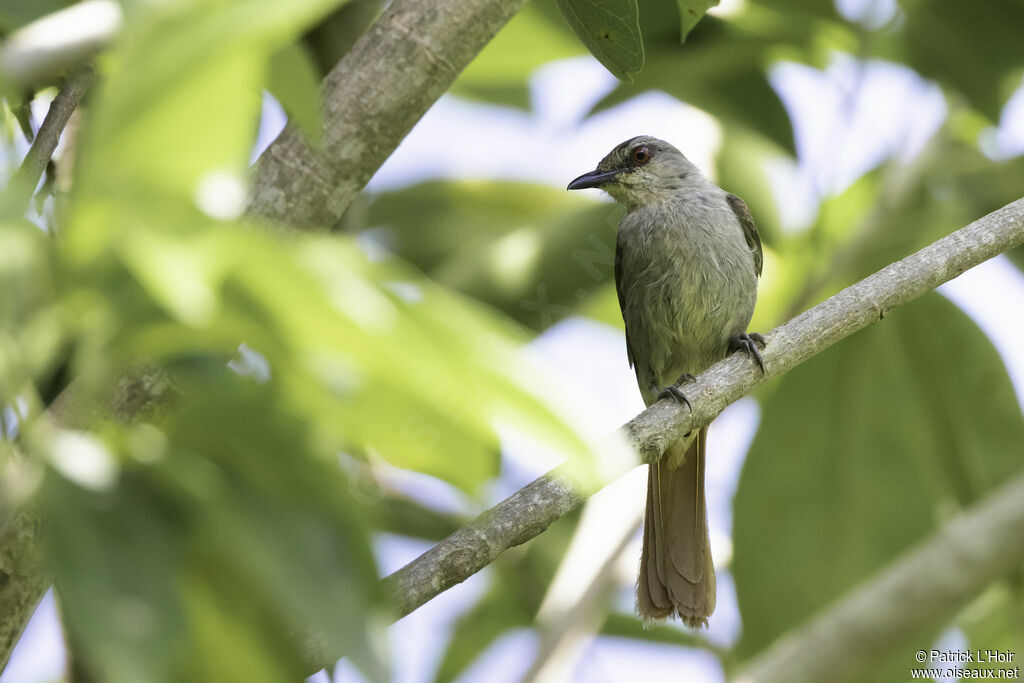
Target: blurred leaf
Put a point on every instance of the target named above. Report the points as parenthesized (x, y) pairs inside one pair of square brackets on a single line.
[(189, 69), (721, 70), (234, 489), (994, 621), (975, 48), (745, 168), (294, 80), (533, 252), (17, 13), (690, 12), (1016, 256), (33, 333), (622, 625), (610, 30), (882, 433), (406, 517), (498, 612), (117, 556), (519, 583), (332, 38)]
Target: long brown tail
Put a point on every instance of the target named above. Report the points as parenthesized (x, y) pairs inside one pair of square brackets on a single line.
[(677, 575)]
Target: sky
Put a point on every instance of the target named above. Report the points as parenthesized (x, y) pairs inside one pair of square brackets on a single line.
[(893, 113)]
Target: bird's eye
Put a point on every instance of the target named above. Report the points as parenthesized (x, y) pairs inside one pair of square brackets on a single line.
[(640, 155)]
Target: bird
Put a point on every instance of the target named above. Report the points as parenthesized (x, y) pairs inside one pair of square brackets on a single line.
[(687, 262)]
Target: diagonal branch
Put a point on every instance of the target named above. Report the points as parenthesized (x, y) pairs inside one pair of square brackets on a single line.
[(25, 180), (533, 508), (372, 99), (928, 584)]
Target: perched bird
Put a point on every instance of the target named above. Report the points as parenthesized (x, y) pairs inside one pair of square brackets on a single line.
[(687, 260)]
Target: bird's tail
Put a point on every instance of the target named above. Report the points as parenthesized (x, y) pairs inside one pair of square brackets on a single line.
[(676, 572)]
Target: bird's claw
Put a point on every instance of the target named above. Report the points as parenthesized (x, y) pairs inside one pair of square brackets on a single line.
[(749, 343), (675, 392)]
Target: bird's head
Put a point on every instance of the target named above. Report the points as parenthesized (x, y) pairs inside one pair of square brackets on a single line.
[(639, 171)]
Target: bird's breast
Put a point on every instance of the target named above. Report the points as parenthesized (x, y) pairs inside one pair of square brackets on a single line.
[(687, 284)]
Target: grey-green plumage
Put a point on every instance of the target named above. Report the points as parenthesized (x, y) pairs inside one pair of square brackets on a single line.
[(686, 266)]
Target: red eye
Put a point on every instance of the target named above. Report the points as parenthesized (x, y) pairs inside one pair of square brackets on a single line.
[(640, 155)]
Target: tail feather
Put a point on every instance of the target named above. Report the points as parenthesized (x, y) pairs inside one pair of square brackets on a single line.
[(677, 576)]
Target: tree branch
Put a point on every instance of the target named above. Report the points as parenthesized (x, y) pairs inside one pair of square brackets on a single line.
[(533, 508), (25, 180), (372, 99), (926, 585)]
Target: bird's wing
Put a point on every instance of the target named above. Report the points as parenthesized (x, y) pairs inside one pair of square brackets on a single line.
[(620, 290), (739, 207)]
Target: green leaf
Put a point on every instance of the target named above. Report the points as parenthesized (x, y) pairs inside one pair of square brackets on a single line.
[(721, 70), (116, 556), (860, 451), (520, 581), (185, 69), (294, 80), (994, 621), (17, 13), (533, 252), (611, 31), (974, 48), (690, 12)]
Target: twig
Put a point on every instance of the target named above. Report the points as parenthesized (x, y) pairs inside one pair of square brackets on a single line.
[(533, 508), (928, 584), (25, 180)]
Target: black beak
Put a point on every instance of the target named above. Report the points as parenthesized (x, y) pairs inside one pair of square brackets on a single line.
[(594, 179)]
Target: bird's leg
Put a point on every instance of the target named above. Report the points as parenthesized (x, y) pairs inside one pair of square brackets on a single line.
[(749, 343), (675, 392)]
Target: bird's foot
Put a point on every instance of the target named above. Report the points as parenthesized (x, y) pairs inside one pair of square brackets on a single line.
[(749, 343), (675, 391)]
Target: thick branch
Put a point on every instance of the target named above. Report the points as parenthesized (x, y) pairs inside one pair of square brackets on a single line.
[(929, 584), (533, 508), (372, 99)]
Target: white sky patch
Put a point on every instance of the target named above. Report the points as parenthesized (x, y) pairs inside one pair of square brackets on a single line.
[(409, 292), (40, 654), (272, 121), (992, 294), (855, 114), (1006, 141), (623, 659), (250, 363), (550, 145)]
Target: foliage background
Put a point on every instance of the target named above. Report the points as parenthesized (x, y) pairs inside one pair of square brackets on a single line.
[(212, 531)]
